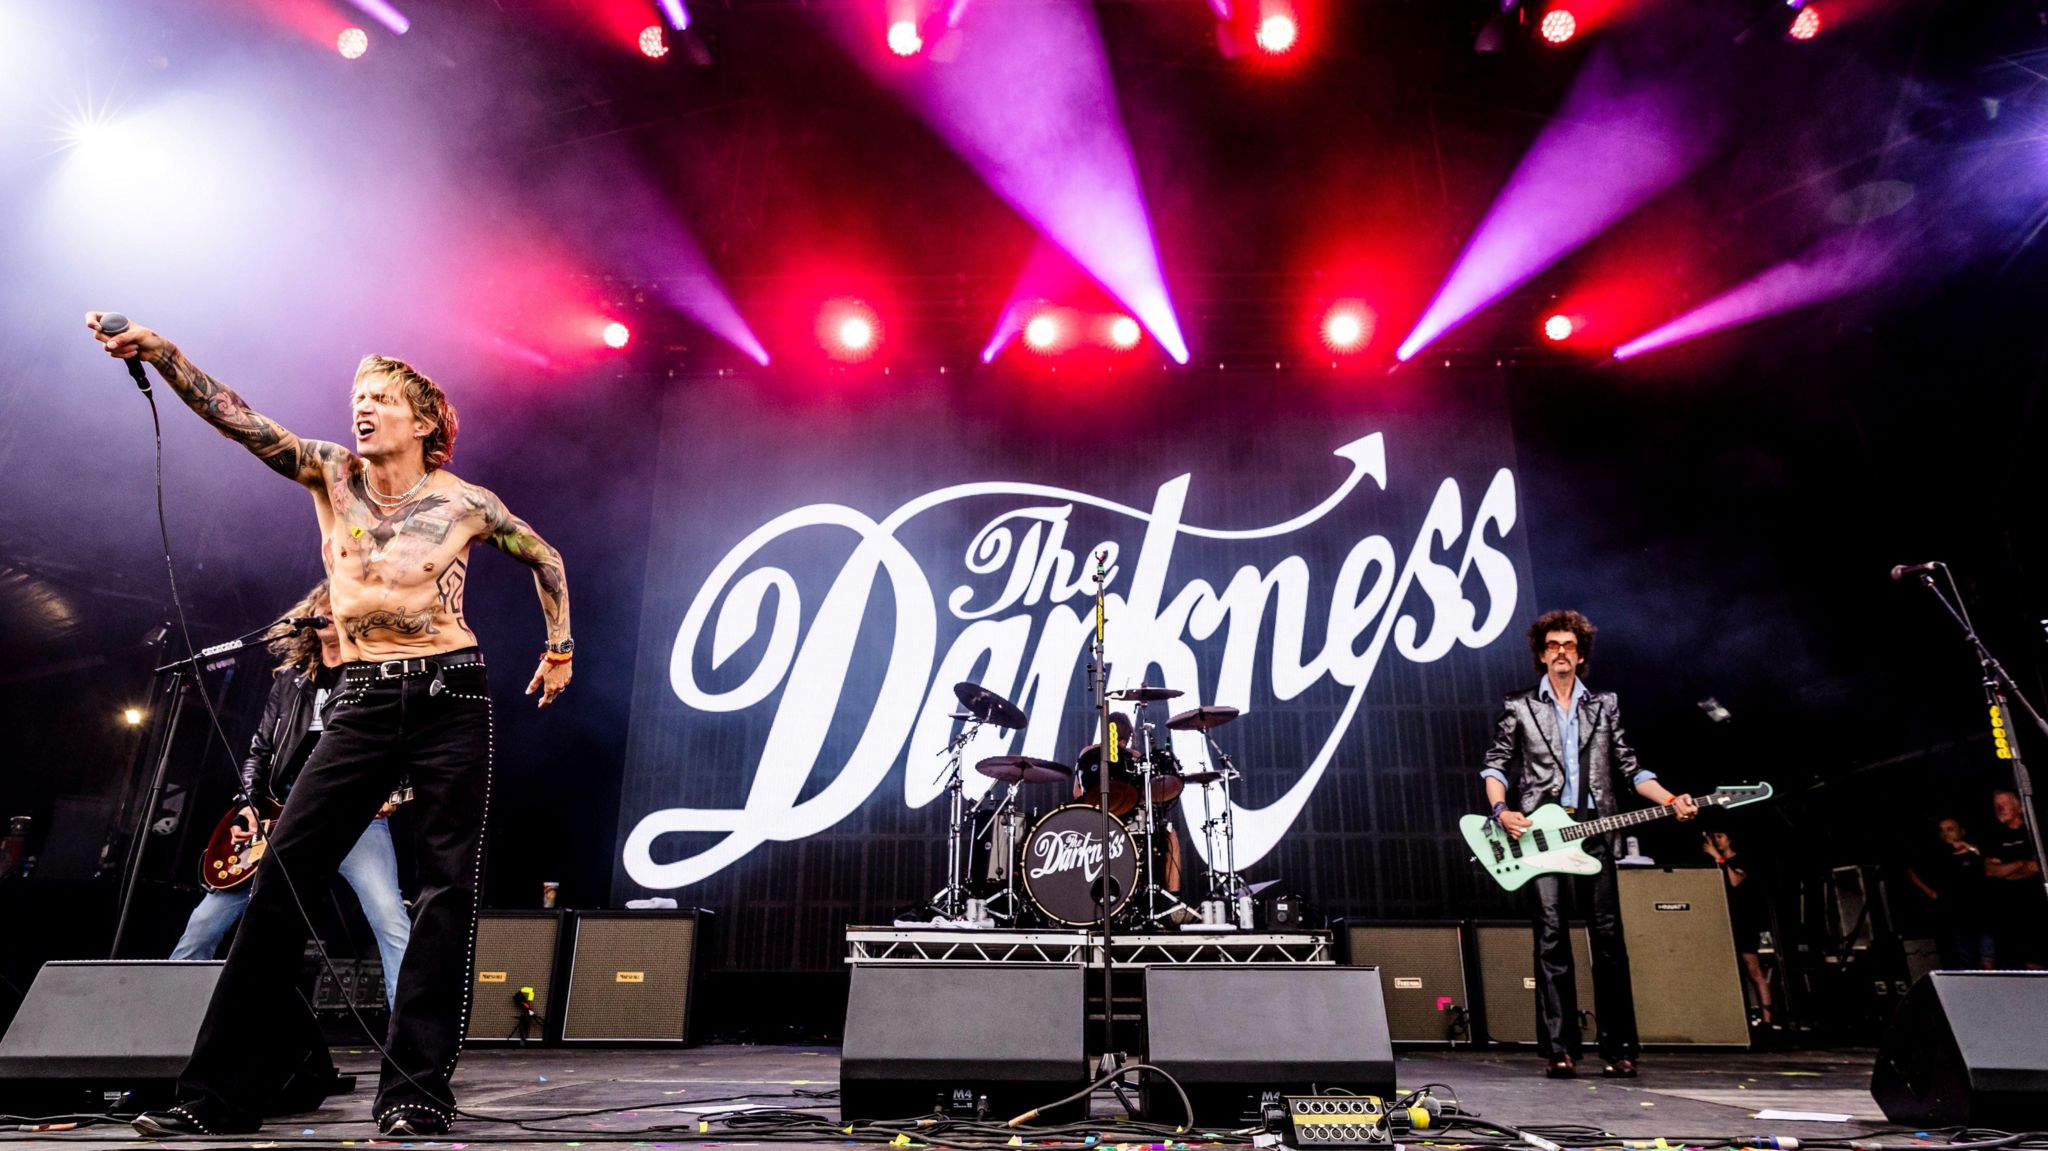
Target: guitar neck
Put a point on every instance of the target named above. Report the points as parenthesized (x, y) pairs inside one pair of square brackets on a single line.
[(1607, 823)]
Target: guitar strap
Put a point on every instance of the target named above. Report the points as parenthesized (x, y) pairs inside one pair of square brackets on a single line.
[(1584, 788)]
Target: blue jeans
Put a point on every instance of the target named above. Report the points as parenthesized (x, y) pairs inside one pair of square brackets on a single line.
[(371, 869)]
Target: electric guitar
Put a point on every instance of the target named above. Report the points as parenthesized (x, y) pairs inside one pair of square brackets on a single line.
[(1552, 842), (224, 867)]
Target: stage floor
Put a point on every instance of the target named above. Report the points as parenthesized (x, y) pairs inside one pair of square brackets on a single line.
[(1691, 1096)]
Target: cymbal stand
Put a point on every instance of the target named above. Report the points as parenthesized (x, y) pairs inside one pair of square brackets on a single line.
[(952, 902), (1228, 823), (1151, 891), (1006, 810)]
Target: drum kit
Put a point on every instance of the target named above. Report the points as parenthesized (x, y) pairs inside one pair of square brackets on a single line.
[(1064, 866)]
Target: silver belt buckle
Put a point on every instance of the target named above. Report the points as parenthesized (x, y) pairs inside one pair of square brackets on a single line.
[(386, 670)]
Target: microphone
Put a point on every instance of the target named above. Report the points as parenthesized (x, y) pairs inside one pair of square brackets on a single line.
[(302, 622), (113, 324), (1904, 570)]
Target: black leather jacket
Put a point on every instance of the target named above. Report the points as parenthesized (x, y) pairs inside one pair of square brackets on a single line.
[(287, 714), (1526, 750)]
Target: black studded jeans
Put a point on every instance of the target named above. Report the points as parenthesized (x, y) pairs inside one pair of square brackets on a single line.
[(260, 1045)]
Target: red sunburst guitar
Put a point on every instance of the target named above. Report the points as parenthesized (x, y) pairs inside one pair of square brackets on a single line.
[(224, 866)]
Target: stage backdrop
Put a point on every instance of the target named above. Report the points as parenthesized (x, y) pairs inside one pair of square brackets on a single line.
[(1346, 564)]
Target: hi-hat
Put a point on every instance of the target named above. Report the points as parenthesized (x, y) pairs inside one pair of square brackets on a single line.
[(1202, 718), (1204, 778), (1021, 769), (989, 707), (1147, 694)]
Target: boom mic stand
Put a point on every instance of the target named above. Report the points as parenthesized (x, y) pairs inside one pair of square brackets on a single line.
[(1105, 894), (1999, 692), (183, 674)]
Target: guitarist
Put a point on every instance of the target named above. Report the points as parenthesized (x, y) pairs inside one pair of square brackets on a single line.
[(308, 670), (1561, 743)]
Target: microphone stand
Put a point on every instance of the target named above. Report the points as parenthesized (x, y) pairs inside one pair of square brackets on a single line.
[(1098, 675), (183, 673), (1999, 692)]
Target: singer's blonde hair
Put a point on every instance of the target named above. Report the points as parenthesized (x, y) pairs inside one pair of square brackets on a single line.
[(298, 649)]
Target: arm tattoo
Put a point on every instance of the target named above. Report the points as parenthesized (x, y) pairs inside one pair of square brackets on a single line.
[(513, 536), (222, 407)]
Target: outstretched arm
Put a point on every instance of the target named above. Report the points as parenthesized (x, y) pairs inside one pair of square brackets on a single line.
[(219, 405), (516, 538)]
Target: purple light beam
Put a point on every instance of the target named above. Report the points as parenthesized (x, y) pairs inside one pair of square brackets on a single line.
[(1843, 264), (678, 15), (1029, 105), (383, 13), (1619, 140)]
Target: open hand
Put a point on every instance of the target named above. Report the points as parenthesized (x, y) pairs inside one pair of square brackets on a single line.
[(549, 679), (137, 341)]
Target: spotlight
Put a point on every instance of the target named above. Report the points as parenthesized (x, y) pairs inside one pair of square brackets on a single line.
[(903, 38), (1806, 25), (1277, 33), (132, 717), (1124, 332), (352, 43), (1043, 333), (616, 335), (848, 330), (1559, 327), (653, 44), (856, 334), (1559, 25), (1348, 326)]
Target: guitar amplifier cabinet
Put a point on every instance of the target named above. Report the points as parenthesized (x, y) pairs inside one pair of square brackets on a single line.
[(514, 949), (1422, 975), (1681, 957), (632, 976), (1507, 980)]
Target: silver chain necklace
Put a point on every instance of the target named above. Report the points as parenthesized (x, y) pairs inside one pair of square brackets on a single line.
[(390, 502)]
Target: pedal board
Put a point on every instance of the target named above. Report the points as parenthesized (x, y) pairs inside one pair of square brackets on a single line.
[(1336, 1121)]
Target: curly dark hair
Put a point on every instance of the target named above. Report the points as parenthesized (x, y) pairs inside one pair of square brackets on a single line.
[(298, 649), (1570, 621)]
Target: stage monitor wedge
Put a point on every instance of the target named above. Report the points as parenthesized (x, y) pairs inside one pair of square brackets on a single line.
[(1967, 1049), (88, 1027), (1239, 1036), (633, 976), (1000, 1037)]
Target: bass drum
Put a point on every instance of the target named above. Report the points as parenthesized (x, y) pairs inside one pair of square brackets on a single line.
[(1065, 859)]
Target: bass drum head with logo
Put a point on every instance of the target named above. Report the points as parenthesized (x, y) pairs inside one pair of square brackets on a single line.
[(1064, 856)]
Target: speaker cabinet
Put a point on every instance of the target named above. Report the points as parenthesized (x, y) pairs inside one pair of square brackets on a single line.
[(1967, 1049), (958, 1038), (1422, 974), (104, 1026), (632, 975), (1681, 957), (514, 949), (1507, 980), (1234, 1036)]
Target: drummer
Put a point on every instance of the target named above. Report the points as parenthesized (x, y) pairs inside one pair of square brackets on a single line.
[(1124, 797)]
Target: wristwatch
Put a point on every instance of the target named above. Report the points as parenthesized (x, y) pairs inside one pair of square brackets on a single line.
[(562, 647)]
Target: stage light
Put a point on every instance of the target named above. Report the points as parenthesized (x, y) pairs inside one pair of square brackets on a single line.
[(132, 717), (1806, 25), (856, 334), (653, 44), (1348, 326), (1277, 33), (1043, 333), (1124, 332), (678, 14), (352, 43), (1559, 327), (616, 335), (903, 38), (1559, 25)]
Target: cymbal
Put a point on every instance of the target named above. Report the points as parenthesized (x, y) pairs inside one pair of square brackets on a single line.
[(1021, 769), (989, 707), (1147, 694), (1202, 718), (1204, 778)]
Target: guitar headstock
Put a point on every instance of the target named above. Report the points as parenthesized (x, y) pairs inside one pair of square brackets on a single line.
[(1736, 795)]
